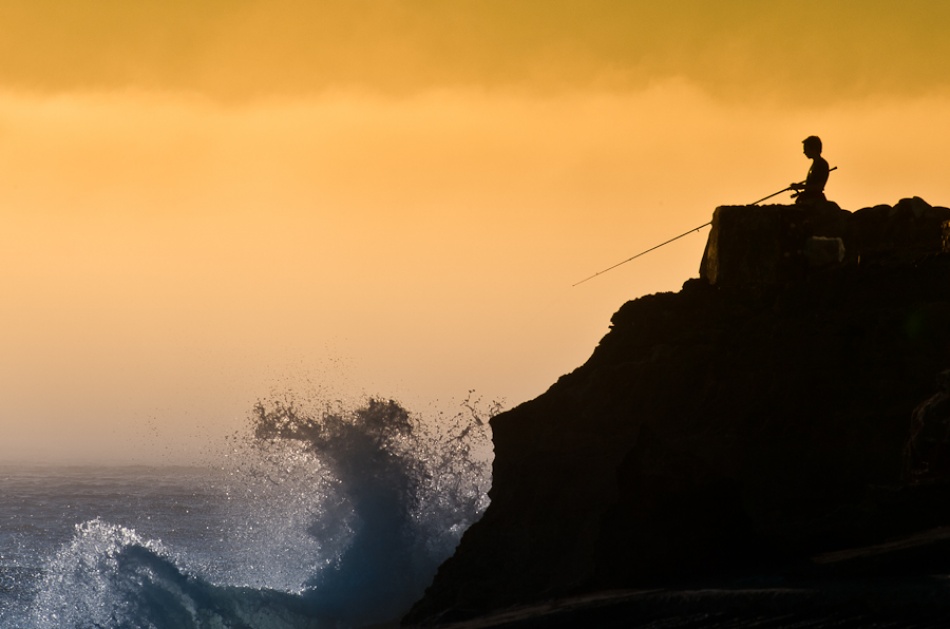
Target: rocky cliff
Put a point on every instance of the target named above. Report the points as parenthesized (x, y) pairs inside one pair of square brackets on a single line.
[(784, 404)]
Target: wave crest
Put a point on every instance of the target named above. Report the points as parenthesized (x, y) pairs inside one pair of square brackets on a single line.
[(412, 487)]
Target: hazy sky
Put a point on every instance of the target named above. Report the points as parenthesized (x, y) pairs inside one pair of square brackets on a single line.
[(206, 203)]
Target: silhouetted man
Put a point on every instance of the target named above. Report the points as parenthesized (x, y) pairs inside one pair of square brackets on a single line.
[(813, 190)]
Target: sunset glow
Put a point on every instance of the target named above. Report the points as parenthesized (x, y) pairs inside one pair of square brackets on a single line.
[(204, 206)]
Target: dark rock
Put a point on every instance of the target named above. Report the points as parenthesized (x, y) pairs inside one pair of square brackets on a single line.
[(744, 246), (909, 229), (927, 455), (776, 244), (742, 425), (823, 251)]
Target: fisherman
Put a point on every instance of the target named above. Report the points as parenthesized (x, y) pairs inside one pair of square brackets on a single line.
[(813, 190), (809, 192)]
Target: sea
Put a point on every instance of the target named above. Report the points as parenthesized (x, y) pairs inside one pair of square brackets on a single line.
[(319, 516), (327, 518)]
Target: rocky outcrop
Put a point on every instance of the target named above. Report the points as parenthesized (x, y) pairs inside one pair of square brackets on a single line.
[(760, 416), (778, 244)]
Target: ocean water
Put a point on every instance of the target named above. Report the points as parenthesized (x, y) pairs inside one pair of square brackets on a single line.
[(333, 518)]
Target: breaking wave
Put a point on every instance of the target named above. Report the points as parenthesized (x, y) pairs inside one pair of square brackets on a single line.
[(335, 517)]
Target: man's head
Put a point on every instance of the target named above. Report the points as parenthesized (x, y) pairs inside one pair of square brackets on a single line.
[(812, 146)]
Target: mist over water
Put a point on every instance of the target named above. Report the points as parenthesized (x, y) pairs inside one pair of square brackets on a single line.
[(320, 516)]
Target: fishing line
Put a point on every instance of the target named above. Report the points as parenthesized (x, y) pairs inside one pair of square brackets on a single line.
[(695, 229)]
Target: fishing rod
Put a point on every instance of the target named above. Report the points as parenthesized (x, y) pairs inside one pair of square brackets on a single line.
[(695, 229)]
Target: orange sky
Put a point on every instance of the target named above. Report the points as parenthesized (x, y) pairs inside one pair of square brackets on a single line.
[(205, 206)]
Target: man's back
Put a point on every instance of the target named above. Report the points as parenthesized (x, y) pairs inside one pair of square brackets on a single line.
[(817, 175)]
